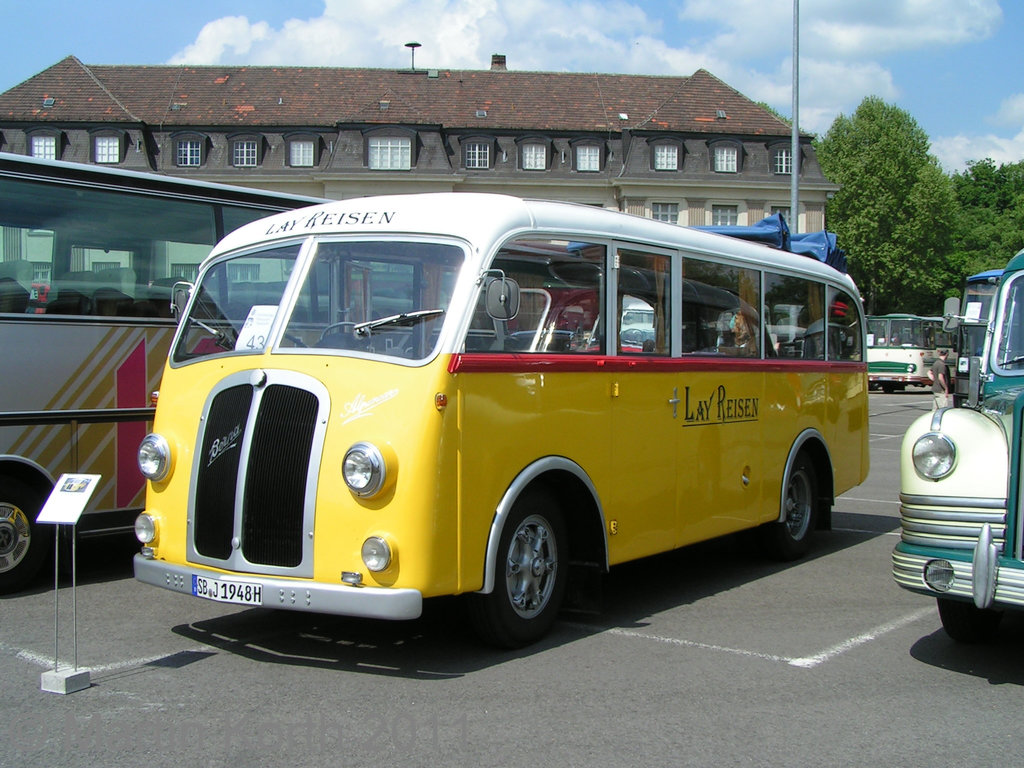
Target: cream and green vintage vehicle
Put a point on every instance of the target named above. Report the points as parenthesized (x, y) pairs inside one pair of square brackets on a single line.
[(961, 484)]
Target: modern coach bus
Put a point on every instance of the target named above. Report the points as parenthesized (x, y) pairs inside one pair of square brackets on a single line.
[(88, 258), (382, 400), (902, 348), (962, 482)]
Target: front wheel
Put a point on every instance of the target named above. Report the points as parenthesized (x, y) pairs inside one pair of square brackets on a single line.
[(967, 623), (530, 579), (791, 538), (23, 543)]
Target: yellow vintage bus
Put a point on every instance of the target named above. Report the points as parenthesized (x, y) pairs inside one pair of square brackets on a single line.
[(381, 400)]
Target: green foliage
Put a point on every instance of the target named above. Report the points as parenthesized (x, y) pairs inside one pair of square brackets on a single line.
[(990, 221), (895, 211)]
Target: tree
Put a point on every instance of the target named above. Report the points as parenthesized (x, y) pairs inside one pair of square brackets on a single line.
[(990, 225), (894, 211)]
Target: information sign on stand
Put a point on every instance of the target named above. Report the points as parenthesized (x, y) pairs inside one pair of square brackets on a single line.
[(65, 505)]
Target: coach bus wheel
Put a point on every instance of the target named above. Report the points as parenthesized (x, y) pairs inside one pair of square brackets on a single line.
[(967, 623), (23, 543), (530, 579), (791, 538)]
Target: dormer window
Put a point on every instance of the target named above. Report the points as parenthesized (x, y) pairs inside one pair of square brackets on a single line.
[(534, 154), (107, 148), (587, 158), (782, 160), (303, 151), (478, 154), (726, 157), (189, 150), (666, 155), (389, 153), (45, 146), (245, 153)]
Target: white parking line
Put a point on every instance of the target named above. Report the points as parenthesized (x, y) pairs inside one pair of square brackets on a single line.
[(803, 662)]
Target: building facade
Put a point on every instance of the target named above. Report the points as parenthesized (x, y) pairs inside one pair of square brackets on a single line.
[(689, 150)]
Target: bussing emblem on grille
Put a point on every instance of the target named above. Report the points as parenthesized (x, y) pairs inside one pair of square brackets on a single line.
[(224, 444)]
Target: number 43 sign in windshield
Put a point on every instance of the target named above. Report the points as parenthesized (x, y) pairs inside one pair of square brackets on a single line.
[(253, 336)]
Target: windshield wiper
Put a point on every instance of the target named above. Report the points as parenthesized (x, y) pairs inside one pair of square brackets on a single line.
[(220, 338), (405, 318), (1014, 361)]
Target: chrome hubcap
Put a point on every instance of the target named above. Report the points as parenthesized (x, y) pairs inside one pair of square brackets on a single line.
[(15, 536), (531, 566)]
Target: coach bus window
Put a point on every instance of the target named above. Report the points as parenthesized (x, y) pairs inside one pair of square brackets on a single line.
[(643, 303), (561, 295), (719, 309), (844, 327), (794, 306)]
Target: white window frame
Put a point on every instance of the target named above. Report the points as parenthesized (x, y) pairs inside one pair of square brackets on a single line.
[(782, 161), (535, 156), (301, 153), (245, 153), (588, 158), (106, 149), (725, 215), (665, 212), (389, 153), (43, 147), (726, 159), (188, 153), (666, 157), (477, 155)]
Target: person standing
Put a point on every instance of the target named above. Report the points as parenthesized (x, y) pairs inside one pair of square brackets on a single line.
[(939, 374)]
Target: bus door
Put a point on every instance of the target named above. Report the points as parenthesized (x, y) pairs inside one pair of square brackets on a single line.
[(719, 422), (644, 392)]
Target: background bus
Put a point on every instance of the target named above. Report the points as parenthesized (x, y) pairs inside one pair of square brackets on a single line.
[(901, 349), (975, 312), (88, 258)]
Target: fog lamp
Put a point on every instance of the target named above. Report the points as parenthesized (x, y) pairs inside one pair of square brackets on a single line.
[(376, 554), (939, 575), (145, 528)]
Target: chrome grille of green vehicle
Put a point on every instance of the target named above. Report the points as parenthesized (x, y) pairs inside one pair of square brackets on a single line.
[(949, 522)]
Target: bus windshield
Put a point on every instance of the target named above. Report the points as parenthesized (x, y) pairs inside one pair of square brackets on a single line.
[(358, 297)]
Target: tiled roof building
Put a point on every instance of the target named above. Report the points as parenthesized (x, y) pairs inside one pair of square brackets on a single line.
[(687, 149)]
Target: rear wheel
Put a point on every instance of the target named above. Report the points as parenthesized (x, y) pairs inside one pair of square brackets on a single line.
[(23, 543), (967, 623), (791, 538), (530, 579)]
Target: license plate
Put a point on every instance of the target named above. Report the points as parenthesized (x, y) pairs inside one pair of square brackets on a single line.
[(225, 591)]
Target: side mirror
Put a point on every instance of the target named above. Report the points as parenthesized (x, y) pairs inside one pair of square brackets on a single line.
[(179, 298), (951, 314), (502, 298)]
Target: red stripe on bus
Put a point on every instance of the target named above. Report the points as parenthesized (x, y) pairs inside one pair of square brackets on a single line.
[(130, 384), (545, 363)]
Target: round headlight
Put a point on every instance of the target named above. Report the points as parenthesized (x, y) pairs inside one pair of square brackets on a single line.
[(376, 554), (364, 469), (934, 455), (145, 528), (154, 457), (939, 575)]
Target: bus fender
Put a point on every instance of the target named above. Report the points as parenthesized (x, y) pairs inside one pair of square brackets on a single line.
[(814, 443), (542, 467)]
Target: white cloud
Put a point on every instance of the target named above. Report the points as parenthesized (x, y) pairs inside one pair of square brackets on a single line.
[(1011, 111), (231, 33), (954, 152)]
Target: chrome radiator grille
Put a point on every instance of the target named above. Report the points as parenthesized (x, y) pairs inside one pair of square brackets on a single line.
[(253, 474)]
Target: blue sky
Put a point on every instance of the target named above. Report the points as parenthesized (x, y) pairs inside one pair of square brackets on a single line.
[(953, 65)]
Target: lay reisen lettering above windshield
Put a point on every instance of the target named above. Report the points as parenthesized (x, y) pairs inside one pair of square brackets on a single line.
[(323, 219), (718, 408)]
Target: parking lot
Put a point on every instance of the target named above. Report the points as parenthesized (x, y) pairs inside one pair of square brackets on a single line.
[(711, 655)]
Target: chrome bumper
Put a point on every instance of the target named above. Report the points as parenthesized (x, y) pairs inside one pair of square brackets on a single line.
[(291, 594)]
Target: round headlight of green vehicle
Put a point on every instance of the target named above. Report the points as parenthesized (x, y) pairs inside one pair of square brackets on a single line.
[(364, 469), (154, 457), (934, 456)]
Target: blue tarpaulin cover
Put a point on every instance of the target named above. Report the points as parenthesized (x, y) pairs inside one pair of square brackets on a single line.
[(774, 232)]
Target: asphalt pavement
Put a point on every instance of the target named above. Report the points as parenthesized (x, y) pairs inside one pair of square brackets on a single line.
[(710, 655)]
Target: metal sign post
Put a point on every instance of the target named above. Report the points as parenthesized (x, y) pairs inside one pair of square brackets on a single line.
[(64, 507)]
